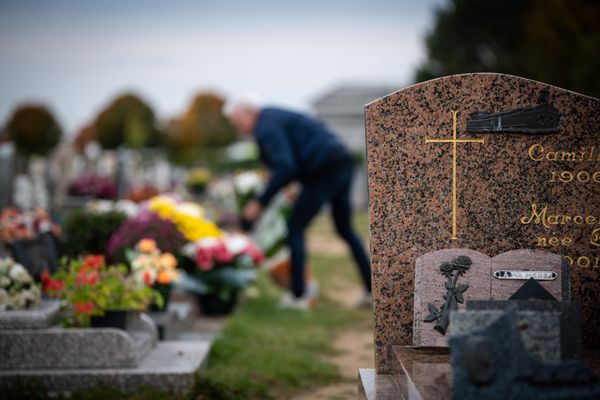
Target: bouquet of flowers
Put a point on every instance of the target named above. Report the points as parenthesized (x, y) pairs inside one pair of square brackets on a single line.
[(19, 225), (148, 225), (189, 217), (92, 185), (223, 265), (88, 287), (149, 265), (17, 288), (247, 185)]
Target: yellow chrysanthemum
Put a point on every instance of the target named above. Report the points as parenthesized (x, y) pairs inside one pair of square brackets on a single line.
[(188, 217), (163, 206)]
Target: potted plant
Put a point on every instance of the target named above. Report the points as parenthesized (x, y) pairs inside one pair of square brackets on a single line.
[(145, 224), (17, 287), (94, 186), (88, 231), (32, 238), (198, 179), (152, 267), (223, 266), (95, 293)]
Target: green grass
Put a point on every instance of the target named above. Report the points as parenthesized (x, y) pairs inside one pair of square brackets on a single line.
[(267, 353)]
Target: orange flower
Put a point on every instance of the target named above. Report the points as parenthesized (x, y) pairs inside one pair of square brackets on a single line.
[(168, 260), (84, 307), (166, 276), (147, 246)]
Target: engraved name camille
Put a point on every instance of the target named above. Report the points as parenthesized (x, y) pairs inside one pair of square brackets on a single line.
[(551, 219)]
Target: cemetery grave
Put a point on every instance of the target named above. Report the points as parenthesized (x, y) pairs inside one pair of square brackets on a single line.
[(483, 195)]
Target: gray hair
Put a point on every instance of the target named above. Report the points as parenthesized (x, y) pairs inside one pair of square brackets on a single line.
[(241, 101)]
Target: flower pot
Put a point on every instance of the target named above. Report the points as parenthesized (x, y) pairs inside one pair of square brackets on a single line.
[(213, 305), (165, 291), (110, 319)]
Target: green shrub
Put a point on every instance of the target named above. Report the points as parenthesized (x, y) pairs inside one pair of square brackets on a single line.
[(89, 232)]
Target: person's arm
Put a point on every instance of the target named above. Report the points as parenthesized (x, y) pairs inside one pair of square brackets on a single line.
[(281, 161)]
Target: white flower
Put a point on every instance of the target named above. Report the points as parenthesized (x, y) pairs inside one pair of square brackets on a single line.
[(17, 301), (236, 243), (127, 207), (247, 182), (18, 273), (5, 264), (5, 282), (4, 298), (30, 296), (189, 250), (191, 209)]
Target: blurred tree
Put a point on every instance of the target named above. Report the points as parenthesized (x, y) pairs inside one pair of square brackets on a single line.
[(85, 136), (201, 131), (34, 130), (554, 41), (127, 120)]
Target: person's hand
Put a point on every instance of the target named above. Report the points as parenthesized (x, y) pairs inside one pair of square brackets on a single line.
[(252, 210)]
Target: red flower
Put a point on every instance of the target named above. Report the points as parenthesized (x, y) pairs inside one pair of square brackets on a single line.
[(148, 278), (54, 285), (45, 276), (51, 284), (221, 254), (85, 278), (254, 252), (204, 259), (93, 261), (84, 307)]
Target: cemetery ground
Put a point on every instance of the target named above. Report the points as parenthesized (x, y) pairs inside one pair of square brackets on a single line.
[(267, 353), (270, 353)]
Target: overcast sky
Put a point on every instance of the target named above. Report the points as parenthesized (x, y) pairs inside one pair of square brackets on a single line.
[(75, 55)]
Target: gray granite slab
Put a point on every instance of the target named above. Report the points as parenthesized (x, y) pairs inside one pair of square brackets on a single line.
[(569, 316), (492, 363), (40, 316), (72, 348), (540, 331), (170, 366)]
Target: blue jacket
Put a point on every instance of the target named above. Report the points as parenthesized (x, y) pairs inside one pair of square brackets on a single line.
[(294, 147)]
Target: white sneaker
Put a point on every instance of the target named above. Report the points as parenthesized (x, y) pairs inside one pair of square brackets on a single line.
[(304, 303), (364, 301)]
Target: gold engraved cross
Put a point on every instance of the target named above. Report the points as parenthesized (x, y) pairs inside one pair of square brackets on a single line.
[(454, 142)]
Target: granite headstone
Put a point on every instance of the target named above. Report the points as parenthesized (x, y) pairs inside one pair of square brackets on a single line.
[(488, 162)]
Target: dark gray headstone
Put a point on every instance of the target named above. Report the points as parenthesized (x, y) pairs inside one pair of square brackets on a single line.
[(492, 363)]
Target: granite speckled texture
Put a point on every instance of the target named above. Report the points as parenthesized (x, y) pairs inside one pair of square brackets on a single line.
[(72, 348), (172, 365), (541, 335), (426, 371), (410, 189), (40, 316)]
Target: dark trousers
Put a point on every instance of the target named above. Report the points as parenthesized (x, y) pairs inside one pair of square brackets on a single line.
[(332, 186)]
